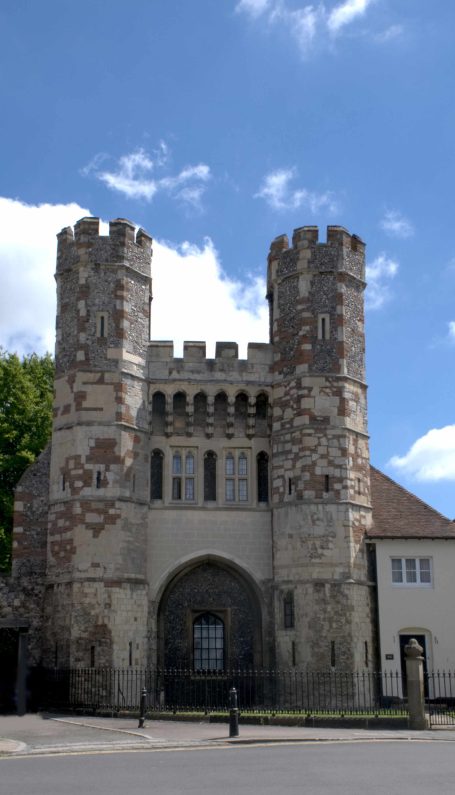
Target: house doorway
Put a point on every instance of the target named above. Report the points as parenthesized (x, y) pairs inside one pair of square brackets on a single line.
[(421, 640)]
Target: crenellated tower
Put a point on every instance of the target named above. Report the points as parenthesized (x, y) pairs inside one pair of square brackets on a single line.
[(187, 492), (98, 481), (320, 456)]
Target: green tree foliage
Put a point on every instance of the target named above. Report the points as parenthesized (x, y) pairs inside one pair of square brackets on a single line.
[(25, 427)]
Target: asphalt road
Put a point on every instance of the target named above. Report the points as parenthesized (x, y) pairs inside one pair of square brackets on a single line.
[(372, 768)]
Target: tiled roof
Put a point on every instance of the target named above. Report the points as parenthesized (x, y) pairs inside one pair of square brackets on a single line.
[(399, 514)]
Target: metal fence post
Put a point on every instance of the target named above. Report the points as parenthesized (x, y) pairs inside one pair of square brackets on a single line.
[(416, 693), (233, 713), (21, 680), (143, 708)]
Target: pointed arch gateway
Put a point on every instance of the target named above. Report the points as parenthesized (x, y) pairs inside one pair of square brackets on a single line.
[(209, 618)]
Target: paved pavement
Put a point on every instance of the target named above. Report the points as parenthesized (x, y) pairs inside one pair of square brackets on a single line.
[(53, 734)]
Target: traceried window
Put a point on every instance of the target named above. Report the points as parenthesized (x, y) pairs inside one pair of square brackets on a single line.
[(183, 475), (177, 476), (412, 572), (156, 475), (236, 477), (230, 464), (189, 476), (230, 490), (229, 470), (243, 477), (208, 643), (210, 476)]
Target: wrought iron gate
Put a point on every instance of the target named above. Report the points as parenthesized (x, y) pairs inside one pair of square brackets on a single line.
[(441, 698)]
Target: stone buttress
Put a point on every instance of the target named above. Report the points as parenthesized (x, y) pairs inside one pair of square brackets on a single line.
[(320, 457), (96, 602)]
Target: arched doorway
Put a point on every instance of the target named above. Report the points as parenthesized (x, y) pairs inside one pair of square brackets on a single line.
[(210, 618)]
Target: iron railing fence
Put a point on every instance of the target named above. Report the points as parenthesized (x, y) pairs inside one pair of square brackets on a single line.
[(440, 697), (174, 690)]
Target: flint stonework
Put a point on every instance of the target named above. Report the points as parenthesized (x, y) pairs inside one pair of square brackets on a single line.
[(112, 572)]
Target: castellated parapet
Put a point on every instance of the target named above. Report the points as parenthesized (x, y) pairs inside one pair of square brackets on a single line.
[(103, 296), (193, 486)]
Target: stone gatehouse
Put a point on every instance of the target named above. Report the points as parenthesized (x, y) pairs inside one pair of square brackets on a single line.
[(200, 512)]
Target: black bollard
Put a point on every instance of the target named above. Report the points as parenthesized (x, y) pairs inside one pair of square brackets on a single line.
[(233, 713), (143, 708)]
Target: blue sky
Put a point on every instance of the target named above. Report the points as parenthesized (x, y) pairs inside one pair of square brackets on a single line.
[(219, 124)]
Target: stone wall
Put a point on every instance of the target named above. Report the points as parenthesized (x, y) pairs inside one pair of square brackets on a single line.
[(94, 621), (22, 592)]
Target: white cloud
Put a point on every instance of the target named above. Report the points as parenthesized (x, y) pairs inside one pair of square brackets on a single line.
[(452, 330), (308, 22), (431, 458), (302, 23), (94, 164), (390, 34), (279, 195), (378, 275), (345, 13), (179, 185), (27, 265), (253, 7), (395, 224), (130, 176), (135, 176), (207, 304)]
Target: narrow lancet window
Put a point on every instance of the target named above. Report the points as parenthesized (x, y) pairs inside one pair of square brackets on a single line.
[(210, 476), (288, 610), (156, 475), (263, 477)]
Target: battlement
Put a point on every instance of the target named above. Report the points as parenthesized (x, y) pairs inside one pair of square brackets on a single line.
[(86, 243), (341, 252), (195, 362), (306, 236)]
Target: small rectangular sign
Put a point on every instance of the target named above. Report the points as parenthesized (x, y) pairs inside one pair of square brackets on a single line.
[(389, 656)]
